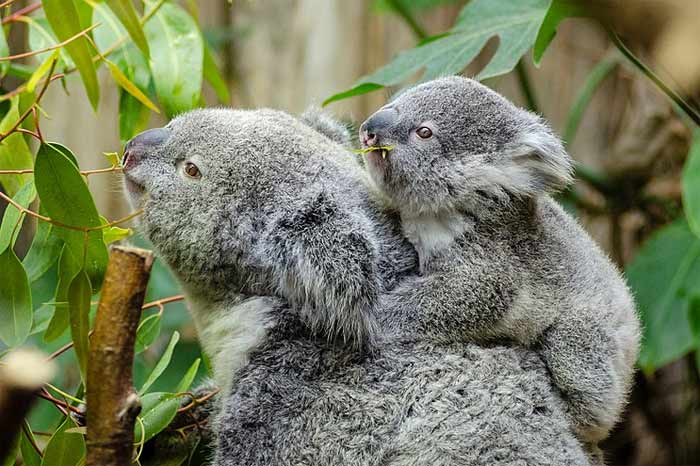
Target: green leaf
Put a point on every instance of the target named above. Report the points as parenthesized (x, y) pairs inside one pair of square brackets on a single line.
[(213, 76), (4, 52), (357, 90), (64, 449), (67, 199), (15, 300), (189, 376), (176, 58), (41, 70), (162, 363), (124, 82), (147, 332), (42, 317), (663, 275), (41, 37), (14, 152), (558, 12), (79, 293), (12, 218), (30, 457), (157, 411), (515, 23), (124, 10), (44, 251), (133, 117), (68, 268), (65, 22), (691, 184), (12, 452), (128, 58)]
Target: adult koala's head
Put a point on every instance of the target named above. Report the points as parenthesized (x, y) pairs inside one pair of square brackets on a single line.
[(454, 140), (204, 182)]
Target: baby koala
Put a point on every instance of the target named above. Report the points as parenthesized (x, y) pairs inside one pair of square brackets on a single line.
[(470, 175)]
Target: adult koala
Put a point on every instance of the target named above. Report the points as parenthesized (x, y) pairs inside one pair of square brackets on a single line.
[(255, 212)]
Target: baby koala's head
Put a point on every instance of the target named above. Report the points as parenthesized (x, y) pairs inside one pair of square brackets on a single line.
[(455, 143), (203, 180)]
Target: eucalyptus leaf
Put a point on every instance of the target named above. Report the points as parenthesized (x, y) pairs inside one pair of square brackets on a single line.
[(67, 199), (158, 409), (162, 363), (148, 330), (44, 251), (12, 218), (127, 56), (177, 55), (30, 457), (79, 293), (64, 449), (15, 300), (65, 20), (189, 376), (125, 11), (68, 268), (4, 51), (213, 76), (14, 151), (41, 37), (133, 116)]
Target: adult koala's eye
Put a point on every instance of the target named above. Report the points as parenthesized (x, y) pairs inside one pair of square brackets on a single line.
[(192, 171), (424, 132)]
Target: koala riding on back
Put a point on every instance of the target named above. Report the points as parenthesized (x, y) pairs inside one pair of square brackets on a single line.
[(471, 175)]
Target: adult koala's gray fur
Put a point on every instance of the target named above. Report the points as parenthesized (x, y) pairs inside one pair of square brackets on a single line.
[(470, 174), (279, 245)]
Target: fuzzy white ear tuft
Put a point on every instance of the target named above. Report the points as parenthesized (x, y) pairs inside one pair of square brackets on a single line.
[(538, 161)]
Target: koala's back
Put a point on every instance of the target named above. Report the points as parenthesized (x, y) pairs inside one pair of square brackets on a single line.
[(300, 402)]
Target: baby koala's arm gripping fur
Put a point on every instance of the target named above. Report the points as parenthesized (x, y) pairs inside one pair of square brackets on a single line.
[(462, 300)]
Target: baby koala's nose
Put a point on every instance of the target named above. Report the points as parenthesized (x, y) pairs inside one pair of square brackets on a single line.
[(140, 144), (376, 127)]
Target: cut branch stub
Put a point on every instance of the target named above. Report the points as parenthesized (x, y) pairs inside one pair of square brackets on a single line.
[(112, 402)]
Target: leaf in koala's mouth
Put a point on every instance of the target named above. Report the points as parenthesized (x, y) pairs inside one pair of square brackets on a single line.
[(381, 149)]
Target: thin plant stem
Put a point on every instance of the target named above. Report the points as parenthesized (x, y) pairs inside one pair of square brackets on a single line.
[(408, 18), (31, 108), (526, 87), (82, 33), (597, 75), (692, 113)]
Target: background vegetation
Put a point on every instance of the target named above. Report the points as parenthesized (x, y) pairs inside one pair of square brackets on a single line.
[(628, 113)]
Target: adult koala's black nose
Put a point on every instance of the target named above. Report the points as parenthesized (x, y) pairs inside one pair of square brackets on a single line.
[(377, 127), (140, 144)]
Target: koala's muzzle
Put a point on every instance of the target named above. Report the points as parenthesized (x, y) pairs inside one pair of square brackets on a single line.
[(376, 128), (141, 144)]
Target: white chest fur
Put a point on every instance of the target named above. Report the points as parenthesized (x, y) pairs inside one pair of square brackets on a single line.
[(229, 332), (431, 233)]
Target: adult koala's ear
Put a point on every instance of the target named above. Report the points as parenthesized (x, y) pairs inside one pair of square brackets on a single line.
[(325, 124), (536, 161)]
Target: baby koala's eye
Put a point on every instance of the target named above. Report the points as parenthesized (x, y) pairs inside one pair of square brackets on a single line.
[(424, 132), (192, 171)]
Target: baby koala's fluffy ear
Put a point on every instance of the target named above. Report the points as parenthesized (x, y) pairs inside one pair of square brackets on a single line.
[(537, 160), (325, 124)]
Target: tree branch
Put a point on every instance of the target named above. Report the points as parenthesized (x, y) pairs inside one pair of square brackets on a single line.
[(112, 402)]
